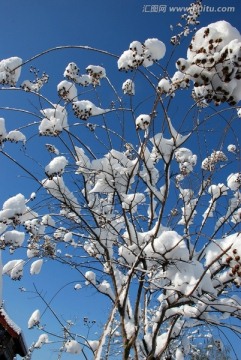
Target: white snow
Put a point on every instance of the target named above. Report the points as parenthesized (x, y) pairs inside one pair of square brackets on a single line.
[(57, 188), (83, 80), (96, 73), (143, 121), (72, 347), (213, 64), (232, 148), (82, 161), (68, 237), (130, 201), (141, 54), (54, 121), (48, 220), (16, 136), (186, 159), (169, 245), (67, 90), (83, 109), (93, 344), (43, 339), (217, 190), (164, 86), (105, 288), (56, 166), (71, 71), (90, 277), (3, 132), (128, 87), (14, 238), (189, 277), (10, 321), (179, 354), (234, 181), (52, 149), (33, 251), (113, 172), (36, 267), (32, 196), (210, 162), (136, 47), (14, 268), (77, 286), (10, 70), (154, 50), (34, 319)]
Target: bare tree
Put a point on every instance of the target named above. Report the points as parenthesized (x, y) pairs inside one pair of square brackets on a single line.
[(144, 195)]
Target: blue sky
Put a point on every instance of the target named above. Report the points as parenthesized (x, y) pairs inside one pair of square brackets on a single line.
[(30, 27)]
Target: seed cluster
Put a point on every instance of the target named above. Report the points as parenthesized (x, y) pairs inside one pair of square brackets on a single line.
[(93, 76), (141, 54), (214, 64), (143, 122), (128, 87), (210, 162), (82, 109), (234, 261)]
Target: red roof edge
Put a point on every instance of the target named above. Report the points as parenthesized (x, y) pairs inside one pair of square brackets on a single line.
[(14, 331)]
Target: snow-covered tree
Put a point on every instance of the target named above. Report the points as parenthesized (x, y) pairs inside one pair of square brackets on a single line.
[(141, 196)]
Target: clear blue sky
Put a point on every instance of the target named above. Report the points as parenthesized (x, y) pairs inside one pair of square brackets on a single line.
[(30, 26)]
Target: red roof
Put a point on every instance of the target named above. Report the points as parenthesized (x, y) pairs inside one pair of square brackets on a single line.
[(14, 331)]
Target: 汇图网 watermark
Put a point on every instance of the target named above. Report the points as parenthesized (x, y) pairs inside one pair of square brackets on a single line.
[(166, 8)]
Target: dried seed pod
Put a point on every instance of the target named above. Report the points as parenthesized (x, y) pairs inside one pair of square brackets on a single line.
[(229, 259)]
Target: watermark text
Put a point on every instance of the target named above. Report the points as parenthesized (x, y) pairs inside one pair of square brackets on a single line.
[(164, 8)]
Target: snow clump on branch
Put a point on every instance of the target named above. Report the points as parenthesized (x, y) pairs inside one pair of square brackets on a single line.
[(57, 188), (72, 347), (54, 121), (128, 87), (56, 167), (10, 70), (15, 211), (67, 90), (141, 54), (83, 109), (143, 121), (34, 319), (12, 238), (43, 339), (214, 64), (93, 76), (14, 268), (36, 267), (12, 136)]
